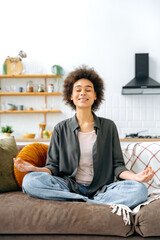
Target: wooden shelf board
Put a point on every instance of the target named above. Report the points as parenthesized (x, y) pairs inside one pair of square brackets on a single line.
[(32, 140), (122, 140), (30, 93), (140, 140), (31, 76), (33, 111)]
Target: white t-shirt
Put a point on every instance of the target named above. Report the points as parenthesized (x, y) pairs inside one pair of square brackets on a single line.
[(85, 170)]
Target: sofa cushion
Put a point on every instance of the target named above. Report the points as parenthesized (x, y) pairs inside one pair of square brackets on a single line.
[(147, 219), (34, 153), (8, 150), (138, 156), (37, 216)]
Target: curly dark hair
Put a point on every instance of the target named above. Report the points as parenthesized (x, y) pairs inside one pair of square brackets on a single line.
[(87, 73)]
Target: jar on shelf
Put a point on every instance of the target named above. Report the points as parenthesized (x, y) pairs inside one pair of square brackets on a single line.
[(42, 127), (40, 87), (30, 87), (50, 87)]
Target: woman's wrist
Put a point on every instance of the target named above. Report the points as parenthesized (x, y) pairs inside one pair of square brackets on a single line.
[(127, 175), (42, 169)]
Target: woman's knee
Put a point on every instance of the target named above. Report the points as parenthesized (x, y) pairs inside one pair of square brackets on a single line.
[(142, 189), (31, 180)]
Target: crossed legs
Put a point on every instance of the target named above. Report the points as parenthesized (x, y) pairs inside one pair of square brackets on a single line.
[(43, 185)]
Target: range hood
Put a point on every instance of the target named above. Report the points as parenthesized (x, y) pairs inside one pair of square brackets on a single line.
[(142, 83)]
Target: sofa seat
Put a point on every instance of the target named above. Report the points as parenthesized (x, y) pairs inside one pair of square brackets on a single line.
[(22, 214)]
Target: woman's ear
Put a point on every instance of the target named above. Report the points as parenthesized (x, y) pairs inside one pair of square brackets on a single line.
[(95, 96), (71, 97)]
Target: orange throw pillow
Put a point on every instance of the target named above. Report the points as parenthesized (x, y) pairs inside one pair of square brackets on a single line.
[(34, 153)]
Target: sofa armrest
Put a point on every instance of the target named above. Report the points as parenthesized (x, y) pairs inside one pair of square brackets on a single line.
[(147, 220)]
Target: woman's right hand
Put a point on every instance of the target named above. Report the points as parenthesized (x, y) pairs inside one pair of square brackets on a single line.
[(23, 166)]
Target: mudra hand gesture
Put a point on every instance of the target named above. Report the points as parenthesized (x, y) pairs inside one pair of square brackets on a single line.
[(23, 166), (146, 175)]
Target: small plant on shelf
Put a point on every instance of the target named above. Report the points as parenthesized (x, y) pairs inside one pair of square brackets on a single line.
[(6, 131)]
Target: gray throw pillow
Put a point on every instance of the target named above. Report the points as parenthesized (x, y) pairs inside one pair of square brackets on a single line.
[(8, 150)]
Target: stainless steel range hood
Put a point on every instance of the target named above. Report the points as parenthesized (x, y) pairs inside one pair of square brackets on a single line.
[(142, 83)]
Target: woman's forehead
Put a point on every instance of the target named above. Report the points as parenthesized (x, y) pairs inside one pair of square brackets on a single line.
[(83, 83)]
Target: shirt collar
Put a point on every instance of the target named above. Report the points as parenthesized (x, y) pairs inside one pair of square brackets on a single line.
[(96, 121), (75, 125)]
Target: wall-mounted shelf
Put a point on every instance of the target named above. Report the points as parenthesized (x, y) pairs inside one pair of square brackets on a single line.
[(31, 111), (45, 94), (32, 139), (31, 76), (30, 94)]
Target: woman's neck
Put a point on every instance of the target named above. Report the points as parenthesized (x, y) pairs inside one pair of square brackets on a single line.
[(85, 120)]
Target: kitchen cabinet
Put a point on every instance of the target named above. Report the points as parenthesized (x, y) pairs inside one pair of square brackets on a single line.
[(21, 95)]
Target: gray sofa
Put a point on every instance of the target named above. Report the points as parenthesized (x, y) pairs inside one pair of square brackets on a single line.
[(24, 217)]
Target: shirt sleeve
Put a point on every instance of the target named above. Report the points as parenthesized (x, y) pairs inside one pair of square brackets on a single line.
[(118, 161), (52, 162)]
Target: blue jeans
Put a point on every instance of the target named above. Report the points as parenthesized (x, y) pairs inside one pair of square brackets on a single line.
[(43, 185)]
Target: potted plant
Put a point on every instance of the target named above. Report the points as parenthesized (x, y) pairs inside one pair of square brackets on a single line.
[(6, 131)]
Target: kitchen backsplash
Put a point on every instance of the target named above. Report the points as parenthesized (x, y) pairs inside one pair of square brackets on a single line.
[(134, 113), (130, 113)]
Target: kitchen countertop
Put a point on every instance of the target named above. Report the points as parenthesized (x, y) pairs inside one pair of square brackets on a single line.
[(122, 140), (139, 139)]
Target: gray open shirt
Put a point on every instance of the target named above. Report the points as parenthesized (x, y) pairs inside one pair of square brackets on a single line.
[(64, 153)]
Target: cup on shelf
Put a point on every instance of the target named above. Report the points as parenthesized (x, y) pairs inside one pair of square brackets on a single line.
[(20, 107), (50, 87), (20, 89)]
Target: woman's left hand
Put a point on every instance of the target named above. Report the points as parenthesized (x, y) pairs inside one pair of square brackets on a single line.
[(145, 176)]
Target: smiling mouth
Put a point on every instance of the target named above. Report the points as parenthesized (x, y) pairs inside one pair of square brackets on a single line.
[(83, 99)]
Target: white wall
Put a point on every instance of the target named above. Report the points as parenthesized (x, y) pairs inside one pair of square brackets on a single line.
[(104, 34)]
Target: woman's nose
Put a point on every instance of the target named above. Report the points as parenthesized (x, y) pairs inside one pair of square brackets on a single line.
[(83, 92)]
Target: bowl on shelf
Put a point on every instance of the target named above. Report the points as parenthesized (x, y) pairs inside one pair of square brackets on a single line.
[(28, 135)]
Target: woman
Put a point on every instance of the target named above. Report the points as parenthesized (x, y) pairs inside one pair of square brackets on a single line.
[(85, 155)]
